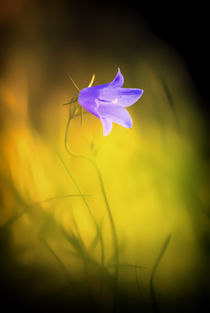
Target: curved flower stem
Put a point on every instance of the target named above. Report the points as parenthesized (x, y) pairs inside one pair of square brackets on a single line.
[(80, 192), (88, 207), (114, 234)]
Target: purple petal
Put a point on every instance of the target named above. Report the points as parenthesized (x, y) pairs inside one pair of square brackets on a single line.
[(117, 114), (128, 96), (107, 125), (118, 81), (88, 99), (108, 95), (119, 96)]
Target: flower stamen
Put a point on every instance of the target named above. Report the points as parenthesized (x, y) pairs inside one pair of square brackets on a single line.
[(92, 80)]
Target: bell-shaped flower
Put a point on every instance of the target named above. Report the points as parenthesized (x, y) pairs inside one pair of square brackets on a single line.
[(108, 102)]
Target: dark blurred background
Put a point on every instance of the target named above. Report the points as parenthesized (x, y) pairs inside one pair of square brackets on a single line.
[(186, 28)]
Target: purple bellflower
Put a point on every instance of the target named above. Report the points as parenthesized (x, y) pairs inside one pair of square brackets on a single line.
[(108, 102)]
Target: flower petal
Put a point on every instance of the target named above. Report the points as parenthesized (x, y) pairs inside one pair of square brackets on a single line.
[(107, 125), (118, 81), (128, 96), (109, 95), (119, 96), (117, 114), (88, 99)]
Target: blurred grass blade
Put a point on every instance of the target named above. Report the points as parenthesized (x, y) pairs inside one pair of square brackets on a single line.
[(96, 238), (128, 265), (75, 242), (152, 289), (50, 249), (170, 100)]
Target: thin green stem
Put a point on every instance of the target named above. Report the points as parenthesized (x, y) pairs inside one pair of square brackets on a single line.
[(114, 234), (87, 205)]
